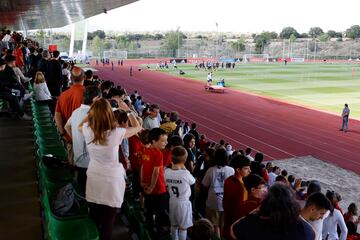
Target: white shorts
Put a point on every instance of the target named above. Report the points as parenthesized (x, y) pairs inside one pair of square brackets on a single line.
[(180, 213)]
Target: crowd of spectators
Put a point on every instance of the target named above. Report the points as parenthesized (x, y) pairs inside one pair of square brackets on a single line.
[(175, 171), (23, 62)]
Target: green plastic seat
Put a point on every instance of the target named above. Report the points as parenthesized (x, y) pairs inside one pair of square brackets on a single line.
[(43, 142), (75, 228), (55, 151), (137, 225)]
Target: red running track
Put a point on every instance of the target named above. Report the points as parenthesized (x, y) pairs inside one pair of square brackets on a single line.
[(277, 129)]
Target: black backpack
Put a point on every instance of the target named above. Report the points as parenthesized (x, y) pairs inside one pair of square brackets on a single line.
[(54, 162)]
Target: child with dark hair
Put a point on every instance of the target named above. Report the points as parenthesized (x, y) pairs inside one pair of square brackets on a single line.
[(174, 141), (257, 167), (214, 180), (277, 218), (152, 179), (178, 181), (203, 163), (352, 215), (105, 88), (189, 144), (235, 192), (202, 230), (257, 189), (137, 144), (334, 220)]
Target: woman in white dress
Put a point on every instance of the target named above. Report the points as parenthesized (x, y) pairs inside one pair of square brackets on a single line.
[(105, 186)]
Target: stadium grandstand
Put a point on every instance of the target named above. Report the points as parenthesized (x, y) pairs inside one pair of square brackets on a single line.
[(117, 148)]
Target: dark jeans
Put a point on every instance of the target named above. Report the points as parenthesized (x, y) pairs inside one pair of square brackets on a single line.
[(81, 179), (13, 101), (156, 204), (104, 218)]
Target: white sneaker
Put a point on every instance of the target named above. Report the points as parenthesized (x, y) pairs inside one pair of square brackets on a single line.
[(27, 96), (26, 117)]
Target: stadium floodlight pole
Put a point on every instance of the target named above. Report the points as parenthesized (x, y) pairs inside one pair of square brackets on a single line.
[(315, 50), (307, 50), (217, 39), (283, 52), (289, 48), (178, 32)]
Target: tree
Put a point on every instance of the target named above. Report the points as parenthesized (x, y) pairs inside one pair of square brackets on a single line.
[(334, 34), (122, 42), (293, 37), (97, 46), (315, 32), (100, 33), (63, 43), (239, 45), (40, 37), (158, 36), (261, 41), (173, 40), (304, 35), (324, 37), (353, 32), (286, 33)]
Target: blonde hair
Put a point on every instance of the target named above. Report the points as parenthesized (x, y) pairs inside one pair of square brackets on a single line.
[(39, 78), (101, 120)]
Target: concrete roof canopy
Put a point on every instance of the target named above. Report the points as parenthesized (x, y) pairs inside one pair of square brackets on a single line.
[(40, 14)]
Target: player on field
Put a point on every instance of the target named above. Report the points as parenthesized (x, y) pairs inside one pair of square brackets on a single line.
[(178, 180)]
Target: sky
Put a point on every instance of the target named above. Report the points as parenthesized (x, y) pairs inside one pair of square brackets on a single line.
[(244, 16)]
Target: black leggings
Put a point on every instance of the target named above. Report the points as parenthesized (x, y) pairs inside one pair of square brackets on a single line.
[(104, 218)]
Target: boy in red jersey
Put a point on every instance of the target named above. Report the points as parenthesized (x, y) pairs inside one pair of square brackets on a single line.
[(152, 179), (235, 192), (137, 144)]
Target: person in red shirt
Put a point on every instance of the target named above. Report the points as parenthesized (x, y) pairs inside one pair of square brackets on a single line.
[(67, 102), (137, 144), (19, 56), (235, 192), (173, 142), (153, 181), (203, 143), (257, 189)]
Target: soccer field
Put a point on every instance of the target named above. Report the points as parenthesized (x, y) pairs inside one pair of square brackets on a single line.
[(325, 86)]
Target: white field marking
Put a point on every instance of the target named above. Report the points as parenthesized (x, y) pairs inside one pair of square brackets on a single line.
[(216, 123), (274, 133)]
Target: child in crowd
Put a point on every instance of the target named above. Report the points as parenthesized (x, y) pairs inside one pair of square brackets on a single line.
[(178, 181), (152, 179), (214, 180), (137, 144), (42, 93), (202, 230)]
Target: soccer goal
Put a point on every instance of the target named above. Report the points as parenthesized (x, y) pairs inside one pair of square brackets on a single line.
[(256, 58), (297, 59), (115, 54)]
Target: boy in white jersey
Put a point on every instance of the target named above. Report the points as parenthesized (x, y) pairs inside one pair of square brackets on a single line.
[(178, 181)]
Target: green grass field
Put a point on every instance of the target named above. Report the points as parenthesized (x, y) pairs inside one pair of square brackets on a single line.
[(325, 86)]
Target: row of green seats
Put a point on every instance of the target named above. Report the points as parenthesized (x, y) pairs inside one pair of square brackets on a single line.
[(47, 141)]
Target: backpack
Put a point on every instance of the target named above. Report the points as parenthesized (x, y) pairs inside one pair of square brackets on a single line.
[(66, 201), (54, 162)]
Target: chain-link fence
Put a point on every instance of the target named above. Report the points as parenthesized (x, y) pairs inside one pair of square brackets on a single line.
[(309, 49)]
